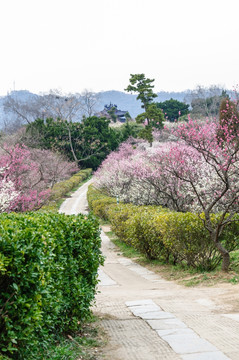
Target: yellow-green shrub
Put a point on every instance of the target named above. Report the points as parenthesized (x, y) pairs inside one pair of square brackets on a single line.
[(118, 216), (162, 234), (188, 241), (146, 230), (99, 202)]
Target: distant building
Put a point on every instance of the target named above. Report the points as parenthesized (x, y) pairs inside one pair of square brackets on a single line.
[(111, 112)]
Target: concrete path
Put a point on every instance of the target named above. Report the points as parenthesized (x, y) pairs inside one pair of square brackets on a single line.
[(77, 203), (149, 318)]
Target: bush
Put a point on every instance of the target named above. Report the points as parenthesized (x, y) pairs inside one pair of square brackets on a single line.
[(146, 230), (162, 234), (48, 277), (118, 217), (189, 242), (99, 202)]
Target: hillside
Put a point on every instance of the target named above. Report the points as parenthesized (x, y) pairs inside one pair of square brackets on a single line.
[(124, 101)]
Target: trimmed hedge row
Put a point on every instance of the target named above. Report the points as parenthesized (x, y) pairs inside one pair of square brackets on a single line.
[(48, 277), (162, 234)]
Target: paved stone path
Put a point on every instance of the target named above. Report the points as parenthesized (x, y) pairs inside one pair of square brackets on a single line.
[(149, 318)]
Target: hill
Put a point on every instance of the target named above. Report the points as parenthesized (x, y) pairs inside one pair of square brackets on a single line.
[(124, 101)]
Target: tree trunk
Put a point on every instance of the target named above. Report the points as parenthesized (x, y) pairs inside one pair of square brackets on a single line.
[(225, 262), (225, 256)]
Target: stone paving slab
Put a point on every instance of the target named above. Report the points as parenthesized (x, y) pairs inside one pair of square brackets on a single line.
[(185, 344), (156, 315), (104, 279), (233, 317), (152, 277), (139, 302), (215, 355), (185, 331), (137, 341), (140, 310), (165, 324), (183, 340), (140, 270)]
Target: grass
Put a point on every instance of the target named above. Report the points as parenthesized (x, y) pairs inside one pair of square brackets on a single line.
[(84, 345), (178, 273), (125, 250)]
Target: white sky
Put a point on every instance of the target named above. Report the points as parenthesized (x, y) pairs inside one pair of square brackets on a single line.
[(74, 45)]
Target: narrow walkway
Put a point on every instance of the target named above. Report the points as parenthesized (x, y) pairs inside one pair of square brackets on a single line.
[(77, 203), (149, 318)]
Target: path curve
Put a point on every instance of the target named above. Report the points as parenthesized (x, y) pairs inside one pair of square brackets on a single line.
[(149, 318)]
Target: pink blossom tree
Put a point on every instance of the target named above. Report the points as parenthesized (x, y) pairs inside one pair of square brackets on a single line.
[(214, 184), (8, 194), (27, 175), (198, 173)]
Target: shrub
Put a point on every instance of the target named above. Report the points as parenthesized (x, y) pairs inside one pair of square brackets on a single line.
[(99, 202), (189, 242), (118, 216), (162, 234), (48, 276), (146, 230)]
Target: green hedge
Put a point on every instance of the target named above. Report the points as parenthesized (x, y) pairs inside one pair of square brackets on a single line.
[(162, 234), (60, 189), (48, 277)]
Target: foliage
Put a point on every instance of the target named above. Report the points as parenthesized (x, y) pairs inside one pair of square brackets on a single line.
[(129, 129), (100, 202), (152, 117), (173, 109), (205, 101), (145, 230), (228, 119), (87, 143), (118, 216), (143, 86), (27, 174), (111, 112), (166, 235), (198, 173), (48, 276), (80, 345)]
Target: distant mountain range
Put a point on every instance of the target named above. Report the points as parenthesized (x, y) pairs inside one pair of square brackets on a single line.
[(124, 101)]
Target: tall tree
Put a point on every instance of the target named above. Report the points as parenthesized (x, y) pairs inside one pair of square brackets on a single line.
[(152, 116), (143, 86)]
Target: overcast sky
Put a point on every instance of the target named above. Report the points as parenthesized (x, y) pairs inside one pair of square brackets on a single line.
[(74, 45)]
